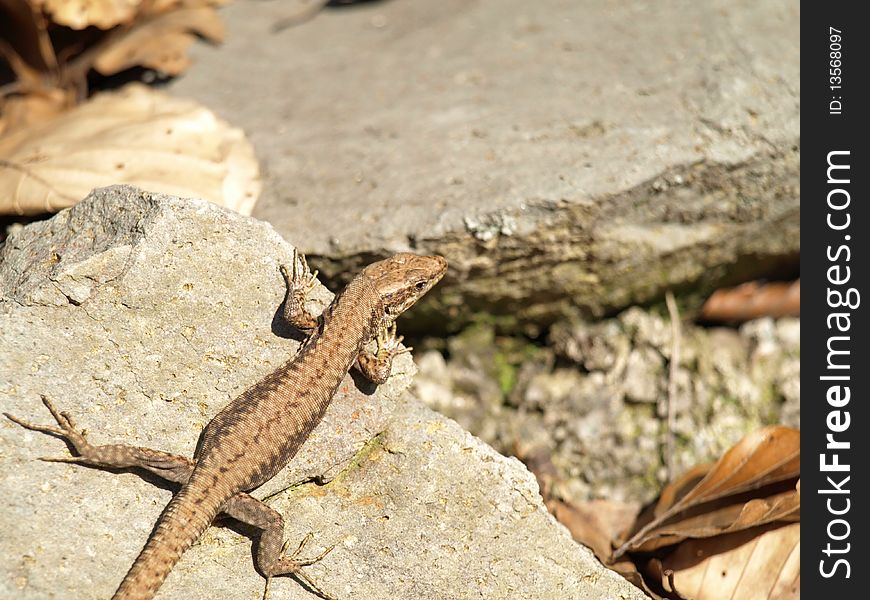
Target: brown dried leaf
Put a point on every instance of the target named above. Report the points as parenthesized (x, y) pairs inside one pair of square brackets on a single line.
[(723, 519), (22, 110), (108, 36), (136, 136), (79, 14), (160, 42), (723, 499), (753, 300), (767, 455), (596, 523), (747, 565)]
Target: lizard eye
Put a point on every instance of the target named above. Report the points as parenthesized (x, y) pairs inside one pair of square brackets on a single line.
[(420, 285)]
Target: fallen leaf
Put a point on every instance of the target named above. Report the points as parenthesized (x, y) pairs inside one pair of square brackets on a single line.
[(160, 42), (53, 47), (723, 531), (727, 496), (37, 107), (595, 523), (766, 455), (78, 14), (720, 520), (136, 136), (753, 300), (760, 563)]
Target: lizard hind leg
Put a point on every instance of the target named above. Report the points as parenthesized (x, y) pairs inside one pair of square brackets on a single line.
[(270, 557), (291, 565), (170, 467)]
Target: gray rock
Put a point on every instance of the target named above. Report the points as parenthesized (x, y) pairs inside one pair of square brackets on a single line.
[(143, 315), (603, 419), (564, 156), (643, 375)]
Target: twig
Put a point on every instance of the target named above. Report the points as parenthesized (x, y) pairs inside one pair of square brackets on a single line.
[(674, 315)]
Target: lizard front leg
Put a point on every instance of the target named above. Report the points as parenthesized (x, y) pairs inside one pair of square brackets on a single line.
[(300, 281), (376, 367)]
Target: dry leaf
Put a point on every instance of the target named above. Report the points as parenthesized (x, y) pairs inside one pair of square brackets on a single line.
[(136, 136), (596, 523), (106, 14), (761, 563), (753, 300), (160, 42), (33, 108), (766, 455), (724, 531), (719, 520), (727, 497), (78, 14), (52, 46)]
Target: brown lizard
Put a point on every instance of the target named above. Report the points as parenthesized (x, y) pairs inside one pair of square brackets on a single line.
[(257, 434)]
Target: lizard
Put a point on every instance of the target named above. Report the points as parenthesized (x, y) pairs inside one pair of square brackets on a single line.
[(251, 439)]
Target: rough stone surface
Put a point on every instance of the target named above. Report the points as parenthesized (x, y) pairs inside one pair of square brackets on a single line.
[(596, 400), (564, 156), (143, 315)]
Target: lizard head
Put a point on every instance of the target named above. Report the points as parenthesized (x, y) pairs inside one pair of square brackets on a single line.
[(403, 279)]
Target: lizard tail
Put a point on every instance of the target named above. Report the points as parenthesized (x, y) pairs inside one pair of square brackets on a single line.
[(183, 521)]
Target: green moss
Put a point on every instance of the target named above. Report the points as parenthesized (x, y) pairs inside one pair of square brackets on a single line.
[(300, 488), (770, 403), (373, 445), (731, 400), (505, 373), (650, 479), (496, 322)]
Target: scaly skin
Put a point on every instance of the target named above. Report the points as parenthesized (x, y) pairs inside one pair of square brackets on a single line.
[(257, 434)]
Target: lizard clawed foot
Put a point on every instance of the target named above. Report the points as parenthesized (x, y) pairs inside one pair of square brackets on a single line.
[(291, 565), (300, 279), (377, 367), (388, 342), (67, 431)]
